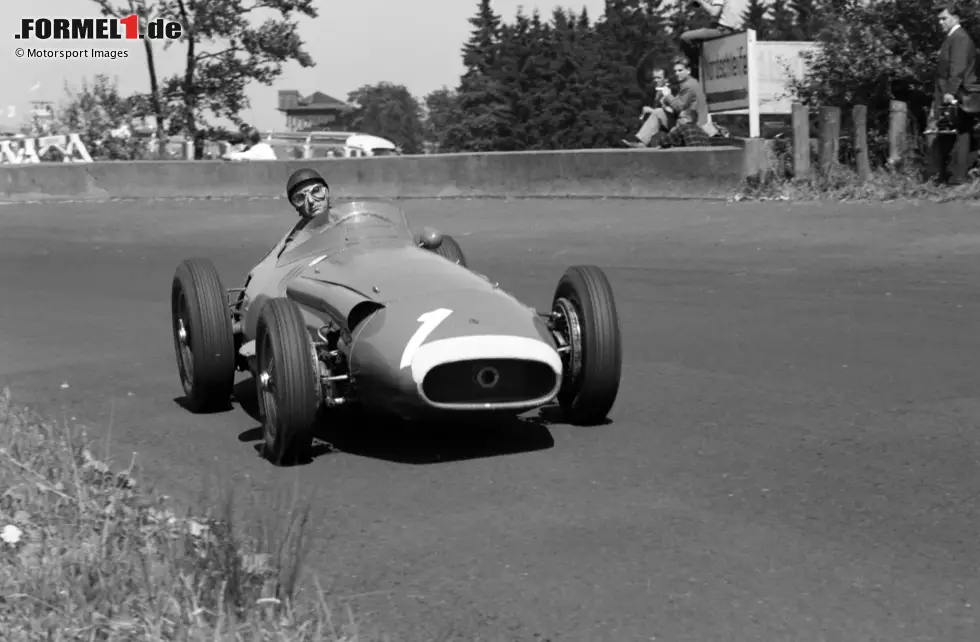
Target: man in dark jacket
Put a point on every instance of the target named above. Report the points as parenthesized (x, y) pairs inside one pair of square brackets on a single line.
[(956, 78)]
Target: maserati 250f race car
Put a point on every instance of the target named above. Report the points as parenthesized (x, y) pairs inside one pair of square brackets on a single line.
[(366, 312)]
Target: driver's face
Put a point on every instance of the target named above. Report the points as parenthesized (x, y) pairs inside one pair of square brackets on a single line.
[(311, 200)]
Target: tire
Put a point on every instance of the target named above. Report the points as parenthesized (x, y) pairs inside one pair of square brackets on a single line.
[(593, 366), (203, 336), (450, 249), (289, 401)]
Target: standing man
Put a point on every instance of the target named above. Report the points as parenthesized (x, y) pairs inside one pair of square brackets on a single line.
[(956, 83)]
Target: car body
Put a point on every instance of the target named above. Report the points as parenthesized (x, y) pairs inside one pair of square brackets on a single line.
[(359, 310), (399, 313)]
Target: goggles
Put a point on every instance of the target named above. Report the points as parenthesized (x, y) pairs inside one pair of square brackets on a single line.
[(317, 191)]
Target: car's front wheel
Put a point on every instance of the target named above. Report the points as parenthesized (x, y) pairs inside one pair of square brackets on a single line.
[(203, 336), (585, 316), (450, 249), (288, 383)]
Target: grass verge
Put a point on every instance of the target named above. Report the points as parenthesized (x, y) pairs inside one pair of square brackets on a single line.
[(845, 185), (87, 554), (905, 181)]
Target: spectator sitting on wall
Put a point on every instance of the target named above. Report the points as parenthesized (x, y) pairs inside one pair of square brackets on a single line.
[(690, 95), (258, 150), (658, 119), (687, 132), (726, 18)]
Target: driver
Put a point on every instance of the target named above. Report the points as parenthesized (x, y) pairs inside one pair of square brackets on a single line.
[(309, 194)]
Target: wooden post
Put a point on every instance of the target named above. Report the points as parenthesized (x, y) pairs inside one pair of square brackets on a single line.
[(829, 137), (860, 116), (897, 122), (801, 141)]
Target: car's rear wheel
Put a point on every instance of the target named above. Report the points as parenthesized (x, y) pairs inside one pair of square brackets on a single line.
[(287, 381), (203, 336), (450, 249), (585, 316)]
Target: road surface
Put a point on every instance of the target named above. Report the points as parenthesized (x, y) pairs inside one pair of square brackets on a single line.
[(794, 454)]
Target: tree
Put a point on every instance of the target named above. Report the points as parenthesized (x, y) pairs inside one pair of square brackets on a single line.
[(486, 117), (519, 77), (147, 11), (101, 116), (224, 52), (442, 118), (780, 21), (754, 17), (389, 111), (877, 52), (627, 34), (809, 19)]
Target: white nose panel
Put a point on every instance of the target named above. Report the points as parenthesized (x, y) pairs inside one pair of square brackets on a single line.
[(486, 346)]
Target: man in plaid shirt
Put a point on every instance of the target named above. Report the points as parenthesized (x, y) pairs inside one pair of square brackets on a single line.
[(687, 132)]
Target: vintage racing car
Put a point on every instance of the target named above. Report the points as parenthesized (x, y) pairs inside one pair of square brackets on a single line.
[(366, 312)]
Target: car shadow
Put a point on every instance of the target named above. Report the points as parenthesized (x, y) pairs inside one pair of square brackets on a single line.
[(183, 403), (353, 432)]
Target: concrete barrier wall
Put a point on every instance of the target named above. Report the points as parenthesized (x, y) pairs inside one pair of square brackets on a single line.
[(691, 173)]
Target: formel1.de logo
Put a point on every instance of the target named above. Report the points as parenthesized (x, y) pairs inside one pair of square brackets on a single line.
[(127, 28)]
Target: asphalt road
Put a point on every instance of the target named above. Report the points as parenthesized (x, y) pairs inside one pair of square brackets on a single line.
[(794, 454)]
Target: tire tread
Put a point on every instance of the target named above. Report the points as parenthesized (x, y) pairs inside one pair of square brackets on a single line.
[(214, 345)]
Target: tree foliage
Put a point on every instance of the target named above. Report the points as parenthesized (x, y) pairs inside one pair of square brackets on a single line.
[(389, 111), (873, 53), (562, 80), (146, 11), (101, 117), (570, 80), (225, 49)]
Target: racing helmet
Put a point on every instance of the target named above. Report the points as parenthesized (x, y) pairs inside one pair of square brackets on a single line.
[(301, 178)]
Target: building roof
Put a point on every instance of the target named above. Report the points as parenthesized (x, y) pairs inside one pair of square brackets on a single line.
[(317, 101)]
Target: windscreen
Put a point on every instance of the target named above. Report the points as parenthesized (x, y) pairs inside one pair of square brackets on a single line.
[(348, 223)]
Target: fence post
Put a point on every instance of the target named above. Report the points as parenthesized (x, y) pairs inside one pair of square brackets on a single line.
[(829, 137), (897, 123), (860, 116), (801, 140)]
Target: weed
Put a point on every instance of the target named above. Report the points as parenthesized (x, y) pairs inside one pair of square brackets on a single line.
[(87, 554)]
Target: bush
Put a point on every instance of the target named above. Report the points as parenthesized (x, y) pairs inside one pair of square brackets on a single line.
[(904, 180), (874, 52), (85, 554)]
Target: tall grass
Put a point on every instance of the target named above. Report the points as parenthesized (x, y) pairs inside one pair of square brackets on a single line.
[(87, 554)]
